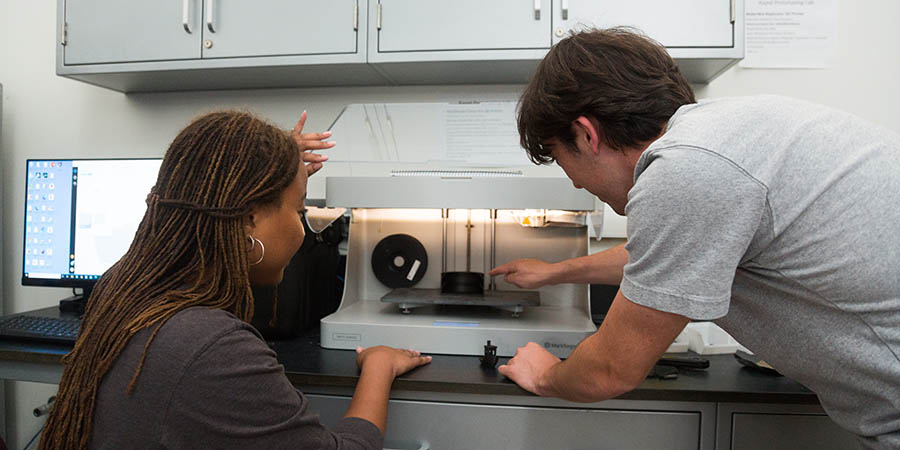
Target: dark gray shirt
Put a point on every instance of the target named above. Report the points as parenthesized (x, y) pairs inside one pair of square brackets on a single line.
[(210, 381)]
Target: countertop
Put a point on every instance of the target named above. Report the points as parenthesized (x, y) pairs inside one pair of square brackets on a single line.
[(308, 365)]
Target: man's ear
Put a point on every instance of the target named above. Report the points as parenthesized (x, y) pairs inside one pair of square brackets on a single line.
[(588, 133)]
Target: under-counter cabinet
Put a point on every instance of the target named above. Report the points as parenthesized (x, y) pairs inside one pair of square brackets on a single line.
[(779, 427), (134, 45), (460, 426)]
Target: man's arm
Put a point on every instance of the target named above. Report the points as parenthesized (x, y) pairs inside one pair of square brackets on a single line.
[(605, 267), (612, 361)]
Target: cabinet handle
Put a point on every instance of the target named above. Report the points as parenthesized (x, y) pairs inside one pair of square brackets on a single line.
[(537, 9), (378, 18), (565, 9), (732, 12), (186, 15), (209, 16), (356, 16), (403, 446)]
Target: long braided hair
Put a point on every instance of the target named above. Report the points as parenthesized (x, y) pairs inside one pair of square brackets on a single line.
[(189, 250)]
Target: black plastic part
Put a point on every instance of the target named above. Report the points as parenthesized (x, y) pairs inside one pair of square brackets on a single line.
[(753, 362), (462, 283), (687, 362), (663, 372), (489, 360), (76, 303)]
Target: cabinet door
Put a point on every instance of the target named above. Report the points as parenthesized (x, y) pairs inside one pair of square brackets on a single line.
[(114, 31), (236, 28), (788, 432), (441, 425), (675, 24), (440, 26)]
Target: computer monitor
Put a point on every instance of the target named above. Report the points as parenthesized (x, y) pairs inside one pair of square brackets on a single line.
[(81, 216)]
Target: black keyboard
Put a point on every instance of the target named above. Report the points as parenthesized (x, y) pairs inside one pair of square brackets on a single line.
[(61, 330)]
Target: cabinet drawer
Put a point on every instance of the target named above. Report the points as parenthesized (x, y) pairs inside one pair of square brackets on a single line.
[(475, 426), (789, 432)]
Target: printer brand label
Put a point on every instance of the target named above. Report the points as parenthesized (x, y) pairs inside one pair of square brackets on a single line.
[(346, 337), (557, 345)]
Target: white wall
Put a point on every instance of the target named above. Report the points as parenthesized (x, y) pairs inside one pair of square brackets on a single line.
[(44, 116)]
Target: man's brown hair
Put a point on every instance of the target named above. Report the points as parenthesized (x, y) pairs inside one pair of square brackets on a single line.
[(623, 79)]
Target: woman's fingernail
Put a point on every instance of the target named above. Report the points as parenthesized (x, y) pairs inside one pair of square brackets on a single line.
[(327, 133)]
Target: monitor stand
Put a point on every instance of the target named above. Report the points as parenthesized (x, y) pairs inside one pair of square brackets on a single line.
[(76, 303)]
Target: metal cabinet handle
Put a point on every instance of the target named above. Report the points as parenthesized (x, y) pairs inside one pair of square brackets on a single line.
[(378, 18), (732, 12), (209, 16), (421, 446), (186, 15), (356, 16), (537, 9), (565, 9)]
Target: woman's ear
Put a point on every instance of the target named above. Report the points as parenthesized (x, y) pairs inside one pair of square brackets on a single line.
[(587, 132), (249, 224)]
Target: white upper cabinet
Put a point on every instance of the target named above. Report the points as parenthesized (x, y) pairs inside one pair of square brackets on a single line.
[(115, 31), (166, 45), (460, 41), (415, 26), (240, 28), (674, 24)]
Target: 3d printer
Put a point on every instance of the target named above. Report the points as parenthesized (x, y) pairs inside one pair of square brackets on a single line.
[(424, 231)]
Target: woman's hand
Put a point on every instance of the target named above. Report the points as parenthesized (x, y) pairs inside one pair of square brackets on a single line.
[(399, 360), (307, 142)]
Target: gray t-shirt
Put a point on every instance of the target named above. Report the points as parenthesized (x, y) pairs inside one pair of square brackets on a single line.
[(210, 381), (780, 220)]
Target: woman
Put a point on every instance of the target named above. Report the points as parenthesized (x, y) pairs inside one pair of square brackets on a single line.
[(166, 357)]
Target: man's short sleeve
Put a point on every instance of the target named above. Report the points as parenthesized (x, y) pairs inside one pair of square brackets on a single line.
[(691, 217)]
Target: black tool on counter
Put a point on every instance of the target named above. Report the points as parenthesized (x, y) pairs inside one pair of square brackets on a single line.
[(663, 372), (489, 360), (753, 362), (686, 362)]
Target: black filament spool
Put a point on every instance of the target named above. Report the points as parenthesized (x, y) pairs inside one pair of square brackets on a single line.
[(399, 261), (462, 283)]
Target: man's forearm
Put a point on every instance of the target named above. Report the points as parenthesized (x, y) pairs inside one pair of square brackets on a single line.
[(584, 377), (605, 267)]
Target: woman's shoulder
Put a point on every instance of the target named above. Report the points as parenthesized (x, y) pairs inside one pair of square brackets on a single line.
[(198, 327)]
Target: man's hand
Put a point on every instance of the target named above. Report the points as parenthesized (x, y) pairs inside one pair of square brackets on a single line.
[(307, 142), (525, 273), (528, 366)]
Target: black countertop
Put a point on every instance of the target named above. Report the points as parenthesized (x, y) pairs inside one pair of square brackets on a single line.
[(308, 365)]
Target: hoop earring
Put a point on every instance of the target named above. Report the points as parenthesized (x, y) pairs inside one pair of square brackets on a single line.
[(253, 242)]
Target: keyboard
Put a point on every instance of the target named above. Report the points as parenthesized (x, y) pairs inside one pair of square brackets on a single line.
[(60, 330)]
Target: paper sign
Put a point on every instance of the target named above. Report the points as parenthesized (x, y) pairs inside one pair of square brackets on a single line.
[(790, 34)]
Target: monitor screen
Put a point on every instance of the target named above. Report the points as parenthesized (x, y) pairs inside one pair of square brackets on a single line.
[(81, 216)]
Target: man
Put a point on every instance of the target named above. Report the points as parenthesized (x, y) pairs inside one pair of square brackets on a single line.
[(777, 218)]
